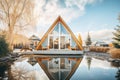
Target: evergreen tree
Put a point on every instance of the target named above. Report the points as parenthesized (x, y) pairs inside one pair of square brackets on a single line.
[(88, 41), (116, 37), (3, 46)]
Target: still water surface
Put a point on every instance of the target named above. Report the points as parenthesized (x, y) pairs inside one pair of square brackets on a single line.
[(86, 68)]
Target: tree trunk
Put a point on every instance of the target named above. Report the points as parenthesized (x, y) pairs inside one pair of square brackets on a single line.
[(10, 38)]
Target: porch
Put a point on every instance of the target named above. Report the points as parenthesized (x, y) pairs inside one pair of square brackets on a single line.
[(53, 53)]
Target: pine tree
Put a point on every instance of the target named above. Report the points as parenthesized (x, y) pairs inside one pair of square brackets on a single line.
[(88, 41), (116, 37), (4, 50)]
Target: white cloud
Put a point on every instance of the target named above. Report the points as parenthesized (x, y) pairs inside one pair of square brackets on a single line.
[(79, 3), (49, 10), (97, 63), (104, 34)]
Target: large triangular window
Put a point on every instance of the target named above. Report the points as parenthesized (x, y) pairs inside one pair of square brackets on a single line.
[(59, 36)]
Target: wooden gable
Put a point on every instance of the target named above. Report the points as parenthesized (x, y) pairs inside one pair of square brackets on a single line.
[(59, 19)]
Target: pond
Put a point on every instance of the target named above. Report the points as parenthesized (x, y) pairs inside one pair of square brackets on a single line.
[(86, 68), (96, 69)]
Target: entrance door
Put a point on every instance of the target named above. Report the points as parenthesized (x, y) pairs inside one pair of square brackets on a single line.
[(62, 42), (59, 42)]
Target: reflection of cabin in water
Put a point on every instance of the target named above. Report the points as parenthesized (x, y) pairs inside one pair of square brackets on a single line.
[(59, 37), (59, 68)]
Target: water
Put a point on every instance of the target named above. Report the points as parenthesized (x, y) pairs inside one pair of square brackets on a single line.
[(3, 69), (96, 69), (86, 68)]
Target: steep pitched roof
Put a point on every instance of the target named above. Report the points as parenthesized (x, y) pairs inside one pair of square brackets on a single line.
[(59, 19)]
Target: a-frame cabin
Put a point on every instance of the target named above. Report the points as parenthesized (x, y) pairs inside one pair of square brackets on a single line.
[(59, 37)]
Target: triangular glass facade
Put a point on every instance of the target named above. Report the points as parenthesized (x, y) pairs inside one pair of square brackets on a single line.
[(59, 38)]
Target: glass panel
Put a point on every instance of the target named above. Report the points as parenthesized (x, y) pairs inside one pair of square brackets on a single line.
[(67, 40), (62, 30), (73, 44), (45, 43), (56, 42), (62, 42), (56, 30), (51, 42)]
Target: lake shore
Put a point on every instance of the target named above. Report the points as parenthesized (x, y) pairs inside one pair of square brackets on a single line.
[(102, 56)]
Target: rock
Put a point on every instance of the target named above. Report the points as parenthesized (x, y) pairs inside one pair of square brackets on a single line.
[(110, 59)]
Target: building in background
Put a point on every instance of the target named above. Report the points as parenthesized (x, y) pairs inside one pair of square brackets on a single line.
[(34, 40), (101, 43)]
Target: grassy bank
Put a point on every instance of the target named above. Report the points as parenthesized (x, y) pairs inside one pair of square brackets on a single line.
[(114, 52)]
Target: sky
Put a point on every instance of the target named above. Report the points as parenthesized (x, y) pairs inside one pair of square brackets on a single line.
[(98, 17)]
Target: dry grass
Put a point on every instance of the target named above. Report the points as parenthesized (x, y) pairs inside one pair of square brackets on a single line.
[(99, 49), (115, 53)]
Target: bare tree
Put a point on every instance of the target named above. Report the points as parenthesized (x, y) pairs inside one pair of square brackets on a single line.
[(2, 32), (16, 14)]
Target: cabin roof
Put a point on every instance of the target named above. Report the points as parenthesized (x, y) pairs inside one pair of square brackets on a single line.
[(59, 19)]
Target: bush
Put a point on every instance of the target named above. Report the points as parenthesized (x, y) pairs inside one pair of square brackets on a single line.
[(3, 46), (99, 49), (114, 53)]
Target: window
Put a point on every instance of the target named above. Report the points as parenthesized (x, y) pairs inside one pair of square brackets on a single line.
[(59, 38)]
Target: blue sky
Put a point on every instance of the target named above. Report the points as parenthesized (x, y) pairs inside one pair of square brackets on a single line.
[(99, 17)]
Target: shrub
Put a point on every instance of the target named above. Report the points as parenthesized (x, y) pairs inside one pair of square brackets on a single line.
[(114, 53), (3, 46)]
